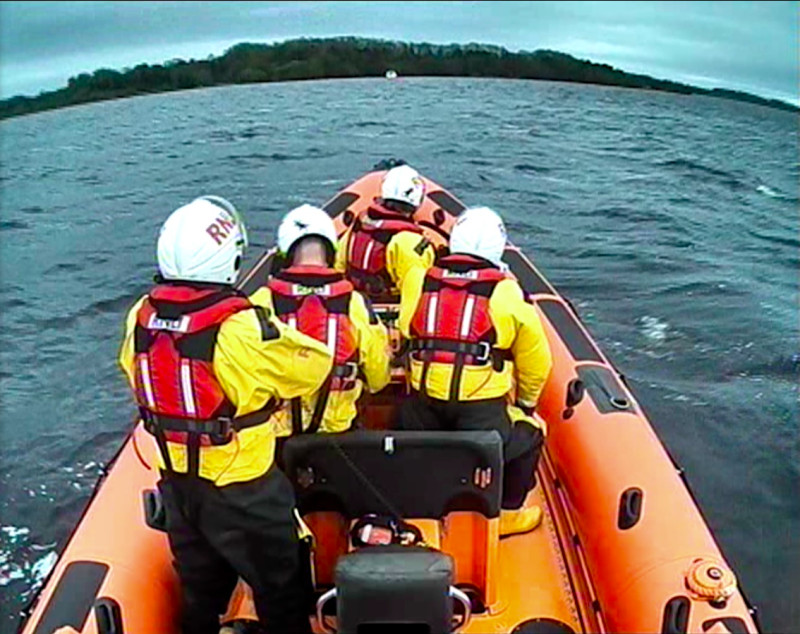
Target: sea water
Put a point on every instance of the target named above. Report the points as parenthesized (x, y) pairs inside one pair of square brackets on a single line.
[(670, 221)]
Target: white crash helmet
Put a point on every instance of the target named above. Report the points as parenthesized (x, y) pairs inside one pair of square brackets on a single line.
[(479, 231), (202, 241), (403, 184), (302, 221)]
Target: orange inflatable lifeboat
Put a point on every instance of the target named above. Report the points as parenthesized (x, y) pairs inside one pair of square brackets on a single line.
[(623, 546)]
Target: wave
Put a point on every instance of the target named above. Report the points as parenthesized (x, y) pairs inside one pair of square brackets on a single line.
[(249, 133), (221, 135), (698, 170), (771, 192), (69, 267), (627, 178), (653, 328), (279, 156), (370, 124), (705, 289), (107, 440), (781, 367), (95, 258), (11, 225), (630, 214), (536, 169), (14, 302), (52, 171), (768, 191), (604, 253), (116, 305), (90, 179), (784, 241), (22, 561), (672, 242), (111, 305)]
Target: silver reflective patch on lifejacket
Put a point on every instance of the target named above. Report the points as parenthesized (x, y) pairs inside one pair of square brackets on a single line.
[(173, 325), (464, 275), (300, 289)]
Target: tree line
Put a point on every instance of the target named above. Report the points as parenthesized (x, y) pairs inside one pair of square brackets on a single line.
[(322, 58)]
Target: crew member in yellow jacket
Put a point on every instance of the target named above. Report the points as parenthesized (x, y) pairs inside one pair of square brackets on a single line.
[(310, 295), (382, 245), (478, 355), (209, 368)]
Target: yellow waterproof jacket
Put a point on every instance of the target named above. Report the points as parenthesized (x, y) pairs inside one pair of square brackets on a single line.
[(250, 371), (404, 251), (518, 329), (373, 361)]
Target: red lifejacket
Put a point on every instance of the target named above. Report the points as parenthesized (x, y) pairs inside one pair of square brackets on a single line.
[(366, 248), (452, 323), (316, 301), (178, 394)]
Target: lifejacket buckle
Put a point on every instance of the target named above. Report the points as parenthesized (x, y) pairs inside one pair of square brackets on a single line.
[(224, 434), (148, 420), (485, 352), (351, 370)]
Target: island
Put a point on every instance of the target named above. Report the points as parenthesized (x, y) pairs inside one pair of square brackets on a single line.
[(348, 57)]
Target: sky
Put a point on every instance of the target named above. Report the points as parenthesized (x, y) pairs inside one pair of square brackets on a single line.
[(748, 46)]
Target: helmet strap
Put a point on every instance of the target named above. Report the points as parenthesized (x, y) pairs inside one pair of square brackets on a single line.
[(399, 206)]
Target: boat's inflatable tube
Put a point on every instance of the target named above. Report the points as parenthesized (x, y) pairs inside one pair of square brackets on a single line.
[(653, 562), (115, 573)]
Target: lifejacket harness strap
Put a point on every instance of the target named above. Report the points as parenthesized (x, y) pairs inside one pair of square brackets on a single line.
[(342, 371), (219, 430), (482, 353), (297, 415)]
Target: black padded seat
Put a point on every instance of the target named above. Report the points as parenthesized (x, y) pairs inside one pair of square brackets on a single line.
[(394, 588), (411, 474)]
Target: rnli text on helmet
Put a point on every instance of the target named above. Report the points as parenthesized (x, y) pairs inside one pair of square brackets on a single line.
[(220, 229)]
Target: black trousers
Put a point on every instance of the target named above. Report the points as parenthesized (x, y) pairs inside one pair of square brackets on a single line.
[(522, 443), (244, 529)]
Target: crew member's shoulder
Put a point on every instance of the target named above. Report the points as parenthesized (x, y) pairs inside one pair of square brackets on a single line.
[(138, 303), (409, 239), (509, 289), (133, 311), (361, 305), (261, 297), (256, 320)]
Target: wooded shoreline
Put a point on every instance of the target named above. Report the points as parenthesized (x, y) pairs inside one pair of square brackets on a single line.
[(348, 57)]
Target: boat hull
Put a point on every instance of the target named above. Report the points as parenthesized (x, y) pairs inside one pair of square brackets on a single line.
[(623, 546)]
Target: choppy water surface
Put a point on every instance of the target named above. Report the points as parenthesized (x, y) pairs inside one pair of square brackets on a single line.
[(671, 222)]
